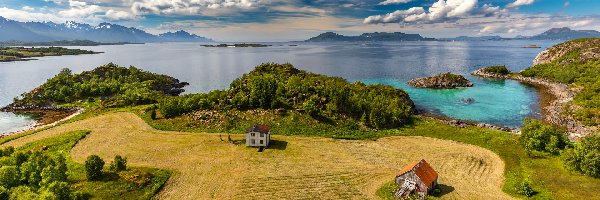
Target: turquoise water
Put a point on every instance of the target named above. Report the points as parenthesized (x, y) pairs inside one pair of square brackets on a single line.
[(503, 102), (393, 63)]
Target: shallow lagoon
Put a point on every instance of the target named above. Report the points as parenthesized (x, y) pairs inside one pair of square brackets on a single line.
[(497, 102)]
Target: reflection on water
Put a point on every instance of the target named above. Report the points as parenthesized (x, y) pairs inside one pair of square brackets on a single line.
[(214, 68)]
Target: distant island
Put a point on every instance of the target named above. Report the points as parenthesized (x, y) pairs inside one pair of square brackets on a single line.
[(368, 37), (238, 45), (11, 30), (9, 54), (63, 43)]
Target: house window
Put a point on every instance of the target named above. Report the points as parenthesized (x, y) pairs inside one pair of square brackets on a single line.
[(253, 141), (262, 135), (261, 141), (252, 134)]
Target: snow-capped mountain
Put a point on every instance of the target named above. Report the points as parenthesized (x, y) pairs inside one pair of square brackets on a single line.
[(104, 32)]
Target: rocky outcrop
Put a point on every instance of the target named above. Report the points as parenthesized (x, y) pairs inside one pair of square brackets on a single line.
[(588, 46), (441, 81)]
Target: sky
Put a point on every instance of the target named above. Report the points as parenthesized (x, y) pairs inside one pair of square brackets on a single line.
[(289, 20)]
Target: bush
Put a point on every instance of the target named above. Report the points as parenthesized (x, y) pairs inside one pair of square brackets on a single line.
[(22, 193), (9, 176), (93, 167), (585, 157), (3, 193), (525, 190), (58, 189), (7, 151), (119, 164), (153, 114), (501, 70), (537, 136)]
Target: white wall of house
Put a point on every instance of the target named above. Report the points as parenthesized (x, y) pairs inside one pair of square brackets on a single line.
[(256, 139)]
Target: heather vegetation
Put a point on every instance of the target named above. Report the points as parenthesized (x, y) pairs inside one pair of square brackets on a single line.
[(281, 86), (114, 85)]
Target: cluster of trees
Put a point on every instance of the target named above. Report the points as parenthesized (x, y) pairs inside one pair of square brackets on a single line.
[(501, 70), (579, 68), (118, 86), (94, 166), (540, 137), (32, 175), (584, 157), (281, 86), (36, 175)]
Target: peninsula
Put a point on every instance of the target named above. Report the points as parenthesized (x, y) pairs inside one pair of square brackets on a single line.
[(9, 54)]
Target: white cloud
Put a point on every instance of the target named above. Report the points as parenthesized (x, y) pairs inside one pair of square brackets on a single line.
[(21, 15), (80, 9), (28, 8), (519, 3), (536, 24), (189, 7), (119, 15), (388, 2), (441, 10)]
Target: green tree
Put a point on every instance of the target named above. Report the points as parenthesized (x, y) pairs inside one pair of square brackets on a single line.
[(118, 164), (93, 167), (4, 193), (537, 136), (9, 176)]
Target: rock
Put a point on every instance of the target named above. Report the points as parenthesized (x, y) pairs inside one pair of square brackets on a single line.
[(587, 47), (441, 81)]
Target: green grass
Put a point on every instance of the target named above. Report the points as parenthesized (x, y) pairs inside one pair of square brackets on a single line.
[(545, 173), (112, 186)]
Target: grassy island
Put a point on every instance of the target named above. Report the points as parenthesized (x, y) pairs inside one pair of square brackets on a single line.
[(238, 45), (9, 54)]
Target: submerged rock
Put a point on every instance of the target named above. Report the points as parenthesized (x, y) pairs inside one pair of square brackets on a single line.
[(441, 81)]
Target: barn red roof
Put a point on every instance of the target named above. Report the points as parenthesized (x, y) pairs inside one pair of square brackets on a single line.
[(423, 170)]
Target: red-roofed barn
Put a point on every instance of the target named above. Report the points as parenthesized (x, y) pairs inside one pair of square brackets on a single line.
[(419, 177)]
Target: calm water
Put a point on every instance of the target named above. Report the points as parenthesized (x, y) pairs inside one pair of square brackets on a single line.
[(497, 102)]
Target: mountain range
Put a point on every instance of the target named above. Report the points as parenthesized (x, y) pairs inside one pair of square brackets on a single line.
[(11, 30), (552, 34)]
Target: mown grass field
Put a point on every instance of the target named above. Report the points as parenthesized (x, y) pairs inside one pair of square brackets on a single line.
[(294, 167)]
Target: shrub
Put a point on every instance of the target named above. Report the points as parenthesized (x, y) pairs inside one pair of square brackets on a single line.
[(153, 114), (119, 164), (501, 70), (525, 190), (58, 189), (7, 151), (93, 167), (3, 193), (537, 136), (9, 176), (22, 193), (585, 157)]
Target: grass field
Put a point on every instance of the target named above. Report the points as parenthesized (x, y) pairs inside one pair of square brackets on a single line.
[(293, 168)]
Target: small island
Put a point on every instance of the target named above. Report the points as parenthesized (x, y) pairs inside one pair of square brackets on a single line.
[(441, 81), (9, 54), (532, 46), (238, 45)]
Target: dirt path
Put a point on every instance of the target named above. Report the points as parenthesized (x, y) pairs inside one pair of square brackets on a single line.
[(294, 168)]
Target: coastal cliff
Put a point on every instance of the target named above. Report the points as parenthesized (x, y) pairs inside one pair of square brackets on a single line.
[(441, 81)]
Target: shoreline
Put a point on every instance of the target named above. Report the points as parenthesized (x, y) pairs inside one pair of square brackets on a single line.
[(554, 100), (50, 117)]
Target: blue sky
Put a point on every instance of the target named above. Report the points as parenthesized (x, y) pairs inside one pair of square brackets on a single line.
[(283, 20)]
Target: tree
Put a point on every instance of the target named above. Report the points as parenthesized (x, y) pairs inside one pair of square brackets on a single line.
[(118, 164), (58, 190), (537, 136), (93, 167), (585, 157), (9, 176), (4, 193)]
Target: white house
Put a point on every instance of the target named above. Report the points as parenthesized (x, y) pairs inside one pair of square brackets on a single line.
[(258, 136)]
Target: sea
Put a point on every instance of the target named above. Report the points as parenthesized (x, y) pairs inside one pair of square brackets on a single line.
[(499, 102)]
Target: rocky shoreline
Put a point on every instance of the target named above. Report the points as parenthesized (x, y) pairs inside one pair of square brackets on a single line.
[(553, 108), (464, 123), (49, 116)]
